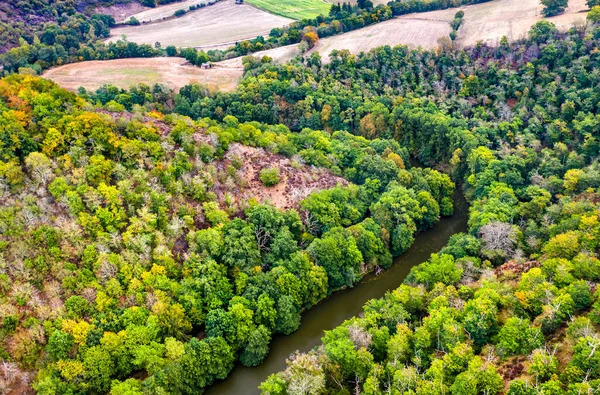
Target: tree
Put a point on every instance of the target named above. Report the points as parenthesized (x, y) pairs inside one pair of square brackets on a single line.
[(517, 336), (594, 15), (59, 345), (270, 177), (99, 368), (554, 7), (481, 320), (240, 248), (439, 268), (257, 347), (205, 361), (499, 240), (339, 255), (288, 316)]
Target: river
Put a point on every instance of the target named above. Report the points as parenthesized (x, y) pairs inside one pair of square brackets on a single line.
[(342, 305)]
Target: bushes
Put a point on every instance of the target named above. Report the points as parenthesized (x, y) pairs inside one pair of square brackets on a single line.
[(270, 176)]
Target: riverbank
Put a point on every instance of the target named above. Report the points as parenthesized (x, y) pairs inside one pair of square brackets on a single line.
[(344, 304)]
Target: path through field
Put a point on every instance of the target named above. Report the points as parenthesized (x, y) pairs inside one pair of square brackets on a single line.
[(173, 72), (223, 22)]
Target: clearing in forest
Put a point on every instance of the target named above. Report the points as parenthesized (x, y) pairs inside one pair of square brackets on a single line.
[(219, 24), (297, 180), (295, 9), (123, 73)]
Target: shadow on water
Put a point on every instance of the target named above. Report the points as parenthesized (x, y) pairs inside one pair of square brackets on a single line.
[(343, 305)]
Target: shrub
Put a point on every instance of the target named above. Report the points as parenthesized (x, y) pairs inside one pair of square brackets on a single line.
[(270, 176)]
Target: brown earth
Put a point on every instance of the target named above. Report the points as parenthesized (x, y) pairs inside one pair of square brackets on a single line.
[(173, 72), (297, 180)]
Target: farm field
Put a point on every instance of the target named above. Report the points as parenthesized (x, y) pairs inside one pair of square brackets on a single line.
[(174, 72), (165, 11), (481, 22), (407, 29), (486, 21), (295, 9), (222, 23), (512, 18)]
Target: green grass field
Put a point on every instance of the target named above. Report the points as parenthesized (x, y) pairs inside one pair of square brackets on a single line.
[(294, 9)]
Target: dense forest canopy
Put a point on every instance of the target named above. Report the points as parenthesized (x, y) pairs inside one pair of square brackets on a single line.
[(512, 306), (130, 264), (125, 246)]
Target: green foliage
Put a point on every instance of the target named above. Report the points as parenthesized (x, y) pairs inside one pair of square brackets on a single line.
[(270, 177), (554, 7)]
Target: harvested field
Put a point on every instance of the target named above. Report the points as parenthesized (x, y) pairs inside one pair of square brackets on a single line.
[(415, 30), (486, 21), (222, 23), (407, 29), (512, 18), (297, 182), (295, 9), (174, 72), (164, 11)]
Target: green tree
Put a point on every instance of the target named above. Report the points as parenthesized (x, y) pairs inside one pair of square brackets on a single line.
[(256, 348), (339, 255), (288, 316), (554, 7)]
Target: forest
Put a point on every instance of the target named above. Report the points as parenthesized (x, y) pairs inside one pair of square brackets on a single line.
[(129, 264), (124, 249)]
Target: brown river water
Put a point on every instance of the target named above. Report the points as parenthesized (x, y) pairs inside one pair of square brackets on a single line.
[(343, 305)]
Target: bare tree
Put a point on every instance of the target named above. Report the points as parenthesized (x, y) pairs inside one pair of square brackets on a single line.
[(499, 236)]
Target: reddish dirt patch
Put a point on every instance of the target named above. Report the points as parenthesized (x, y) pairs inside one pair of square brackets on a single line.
[(515, 267), (297, 181)]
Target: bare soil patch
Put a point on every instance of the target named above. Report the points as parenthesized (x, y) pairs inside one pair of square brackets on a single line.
[(173, 72), (297, 180), (224, 22)]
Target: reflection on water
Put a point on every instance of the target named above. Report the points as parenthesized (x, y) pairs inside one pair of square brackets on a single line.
[(343, 305)]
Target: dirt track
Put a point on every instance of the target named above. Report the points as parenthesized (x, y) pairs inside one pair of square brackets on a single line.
[(173, 72)]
